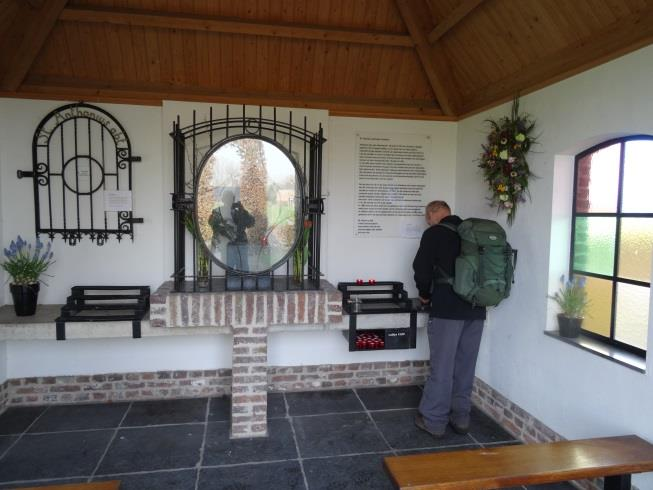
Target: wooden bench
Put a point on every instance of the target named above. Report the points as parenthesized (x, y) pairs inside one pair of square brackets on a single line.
[(614, 458)]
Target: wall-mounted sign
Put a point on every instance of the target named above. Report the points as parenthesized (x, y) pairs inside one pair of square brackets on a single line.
[(390, 184)]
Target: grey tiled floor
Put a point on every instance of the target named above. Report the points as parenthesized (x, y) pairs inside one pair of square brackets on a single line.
[(317, 440)]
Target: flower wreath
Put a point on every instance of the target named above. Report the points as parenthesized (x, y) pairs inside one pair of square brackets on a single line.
[(503, 160)]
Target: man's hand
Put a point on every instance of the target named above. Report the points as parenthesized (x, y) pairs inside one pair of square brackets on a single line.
[(424, 301)]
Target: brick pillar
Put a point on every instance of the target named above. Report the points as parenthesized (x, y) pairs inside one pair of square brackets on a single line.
[(249, 398)]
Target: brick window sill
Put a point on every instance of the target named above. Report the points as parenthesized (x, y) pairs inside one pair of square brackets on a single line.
[(608, 352)]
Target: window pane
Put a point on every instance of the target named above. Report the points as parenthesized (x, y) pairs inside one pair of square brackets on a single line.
[(598, 181), (631, 325), (597, 318), (594, 240), (636, 248), (638, 175)]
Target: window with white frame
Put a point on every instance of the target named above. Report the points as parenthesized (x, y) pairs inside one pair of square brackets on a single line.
[(612, 238)]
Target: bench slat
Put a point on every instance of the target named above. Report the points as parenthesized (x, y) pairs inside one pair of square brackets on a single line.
[(506, 466)]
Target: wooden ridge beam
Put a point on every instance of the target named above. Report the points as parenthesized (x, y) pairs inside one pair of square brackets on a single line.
[(432, 58), (459, 13), (29, 28), (231, 26), (152, 94), (625, 36)]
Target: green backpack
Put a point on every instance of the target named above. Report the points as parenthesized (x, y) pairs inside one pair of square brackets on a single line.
[(484, 269)]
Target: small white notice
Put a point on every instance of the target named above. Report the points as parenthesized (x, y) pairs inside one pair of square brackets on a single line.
[(117, 200), (412, 228)]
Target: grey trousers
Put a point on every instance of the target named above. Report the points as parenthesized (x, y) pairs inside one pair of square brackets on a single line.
[(454, 348)]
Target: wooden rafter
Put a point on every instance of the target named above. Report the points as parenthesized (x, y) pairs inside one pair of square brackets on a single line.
[(30, 26), (627, 35), (459, 13), (149, 93), (208, 24), (432, 58)]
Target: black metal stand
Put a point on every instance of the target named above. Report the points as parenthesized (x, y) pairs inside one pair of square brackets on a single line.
[(122, 304), (616, 482), (379, 298), (394, 338)]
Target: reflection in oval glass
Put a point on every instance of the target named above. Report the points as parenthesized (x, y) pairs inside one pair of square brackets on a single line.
[(248, 205)]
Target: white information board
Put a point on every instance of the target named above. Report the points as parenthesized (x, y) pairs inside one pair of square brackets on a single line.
[(390, 184)]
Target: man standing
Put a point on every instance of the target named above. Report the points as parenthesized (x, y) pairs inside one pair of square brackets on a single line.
[(454, 328)]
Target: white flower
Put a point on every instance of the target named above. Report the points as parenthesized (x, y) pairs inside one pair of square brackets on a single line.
[(503, 197), (503, 155)]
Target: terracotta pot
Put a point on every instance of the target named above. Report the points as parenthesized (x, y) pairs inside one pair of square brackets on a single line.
[(25, 298), (569, 326)]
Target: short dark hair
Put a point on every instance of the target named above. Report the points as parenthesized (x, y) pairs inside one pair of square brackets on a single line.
[(435, 205)]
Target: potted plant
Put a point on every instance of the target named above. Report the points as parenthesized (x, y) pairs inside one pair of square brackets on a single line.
[(25, 266), (573, 302)]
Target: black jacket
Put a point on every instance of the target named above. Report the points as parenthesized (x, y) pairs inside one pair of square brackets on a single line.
[(439, 248)]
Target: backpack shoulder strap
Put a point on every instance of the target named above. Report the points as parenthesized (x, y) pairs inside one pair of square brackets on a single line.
[(449, 226), (441, 276)]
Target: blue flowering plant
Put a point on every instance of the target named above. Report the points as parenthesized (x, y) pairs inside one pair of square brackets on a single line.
[(24, 263), (572, 297)]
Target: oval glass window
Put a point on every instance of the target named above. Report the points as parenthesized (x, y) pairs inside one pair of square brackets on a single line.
[(248, 204)]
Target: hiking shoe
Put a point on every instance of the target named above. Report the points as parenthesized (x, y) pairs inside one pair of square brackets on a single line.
[(419, 422), (459, 428)]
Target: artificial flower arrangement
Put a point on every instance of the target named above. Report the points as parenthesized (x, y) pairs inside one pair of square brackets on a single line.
[(503, 160)]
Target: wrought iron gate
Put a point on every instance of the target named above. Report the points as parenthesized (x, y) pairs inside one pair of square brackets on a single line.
[(197, 150), (82, 175)]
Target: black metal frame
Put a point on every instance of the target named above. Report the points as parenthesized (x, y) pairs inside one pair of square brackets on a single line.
[(117, 305), (217, 132), (614, 278), (376, 302), (100, 126)]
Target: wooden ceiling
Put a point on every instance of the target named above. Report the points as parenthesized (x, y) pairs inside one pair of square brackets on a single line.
[(430, 59)]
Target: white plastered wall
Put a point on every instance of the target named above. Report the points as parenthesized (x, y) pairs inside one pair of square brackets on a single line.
[(574, 392), (78, 357), (126, 262), (148, 260), (389, 259)]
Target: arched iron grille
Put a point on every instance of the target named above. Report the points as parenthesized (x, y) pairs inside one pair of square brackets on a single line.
[(81, 157), (191, 146)]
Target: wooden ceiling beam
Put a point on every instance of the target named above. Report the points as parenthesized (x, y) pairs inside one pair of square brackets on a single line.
[(30, 27), (459, 13), (152, 94), (625, 36), (432, 58), (208, 24)]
